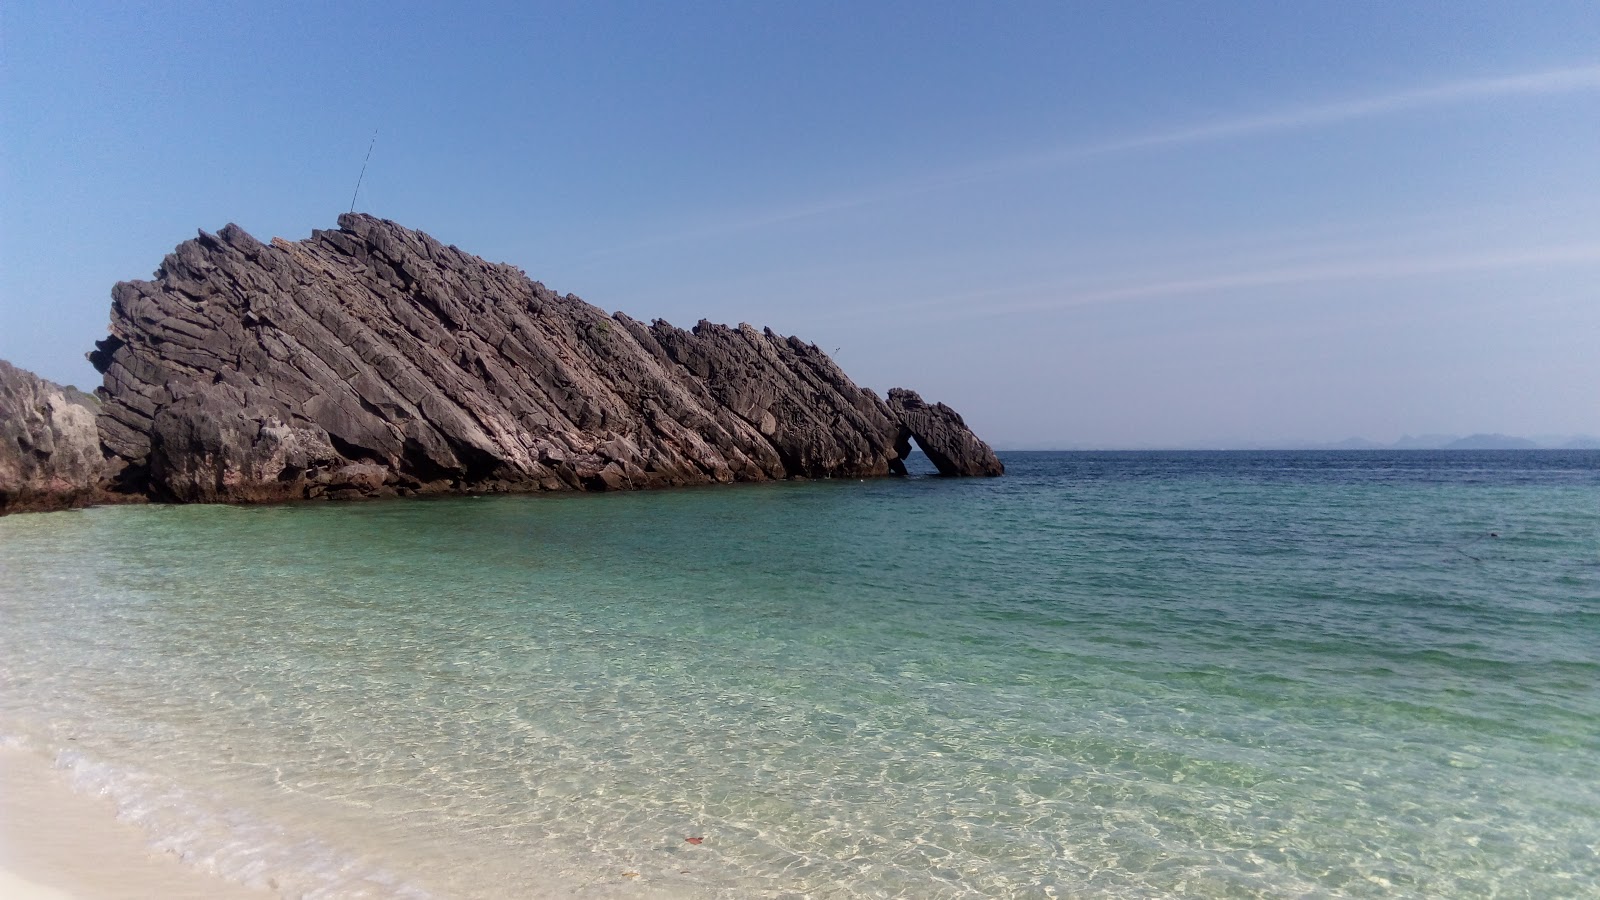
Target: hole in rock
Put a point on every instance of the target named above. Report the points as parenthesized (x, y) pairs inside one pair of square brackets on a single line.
[(915, 462)]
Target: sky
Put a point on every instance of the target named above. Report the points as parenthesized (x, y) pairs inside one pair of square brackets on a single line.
[(1081, 224)]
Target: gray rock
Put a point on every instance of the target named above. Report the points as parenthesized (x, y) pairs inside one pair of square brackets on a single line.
[(49, 446), (940, 432), (374, 360)]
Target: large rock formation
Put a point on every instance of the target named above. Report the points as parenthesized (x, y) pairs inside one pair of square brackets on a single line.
[(374, 360), (49, 446)]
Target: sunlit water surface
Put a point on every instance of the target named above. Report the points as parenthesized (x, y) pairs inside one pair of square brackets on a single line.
[(1124, 675)]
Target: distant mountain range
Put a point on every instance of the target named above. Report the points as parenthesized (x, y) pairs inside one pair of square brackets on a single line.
[(1470, 442), (1408, 442)]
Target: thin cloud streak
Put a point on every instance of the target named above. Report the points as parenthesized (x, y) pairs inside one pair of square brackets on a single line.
[(1549, 82), (963, 306), (1545, 83), (1319, 274)]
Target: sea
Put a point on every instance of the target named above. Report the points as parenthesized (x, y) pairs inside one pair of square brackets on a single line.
[(1230, 674)]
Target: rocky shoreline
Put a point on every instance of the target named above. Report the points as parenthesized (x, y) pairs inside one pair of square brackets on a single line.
[(375, 361)]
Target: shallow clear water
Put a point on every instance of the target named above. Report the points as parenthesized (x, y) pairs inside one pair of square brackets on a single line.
[(1130, 675)]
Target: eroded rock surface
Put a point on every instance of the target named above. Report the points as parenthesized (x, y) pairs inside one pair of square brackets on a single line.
[(943, 436), (374, 360), (49, 446)]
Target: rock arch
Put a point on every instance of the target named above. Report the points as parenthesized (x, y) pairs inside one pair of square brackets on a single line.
[(942, 434)]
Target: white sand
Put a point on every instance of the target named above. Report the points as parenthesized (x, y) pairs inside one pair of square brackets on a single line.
[(15, 887), (56, 843)]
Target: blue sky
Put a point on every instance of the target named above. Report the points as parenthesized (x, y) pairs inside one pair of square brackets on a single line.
[(1108, 224)]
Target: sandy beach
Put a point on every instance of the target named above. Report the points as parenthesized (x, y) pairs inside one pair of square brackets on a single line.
[(56, 843)]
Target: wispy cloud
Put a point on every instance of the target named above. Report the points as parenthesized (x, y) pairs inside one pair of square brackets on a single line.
[(1065, 296), (1545, 83), (1549, 82)]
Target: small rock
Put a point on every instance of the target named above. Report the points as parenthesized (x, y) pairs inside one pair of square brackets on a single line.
[(49, 444)]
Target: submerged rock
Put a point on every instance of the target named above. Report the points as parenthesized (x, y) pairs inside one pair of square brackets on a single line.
[(49, 446), (374, 360)]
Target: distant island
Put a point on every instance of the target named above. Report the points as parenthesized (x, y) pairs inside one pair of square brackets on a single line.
[(1484, 441), (1470, 442), (374, 361)]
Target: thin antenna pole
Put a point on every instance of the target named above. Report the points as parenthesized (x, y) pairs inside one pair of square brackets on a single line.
[(363, 169)]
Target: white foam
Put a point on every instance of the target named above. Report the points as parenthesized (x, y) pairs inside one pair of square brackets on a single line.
[(230, 842)]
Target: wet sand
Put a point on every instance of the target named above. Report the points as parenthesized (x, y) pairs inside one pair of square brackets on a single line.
[(56, 843)]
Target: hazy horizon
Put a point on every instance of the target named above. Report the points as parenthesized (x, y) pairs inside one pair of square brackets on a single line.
[(1422, 443), (1132, 226)]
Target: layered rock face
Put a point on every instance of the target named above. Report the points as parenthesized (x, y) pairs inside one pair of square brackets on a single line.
[(374, 360), (49, 445)]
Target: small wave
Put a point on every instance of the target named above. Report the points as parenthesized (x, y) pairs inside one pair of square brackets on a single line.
[(229, 842)]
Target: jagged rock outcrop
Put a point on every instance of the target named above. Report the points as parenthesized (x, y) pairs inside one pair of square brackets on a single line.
[(374, 360), (943, 436), (49, 446)]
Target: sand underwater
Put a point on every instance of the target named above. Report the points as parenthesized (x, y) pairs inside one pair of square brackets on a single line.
[(1118, 675)]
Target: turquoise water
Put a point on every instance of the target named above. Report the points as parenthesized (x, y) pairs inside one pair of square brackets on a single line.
[(1121, 675)]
